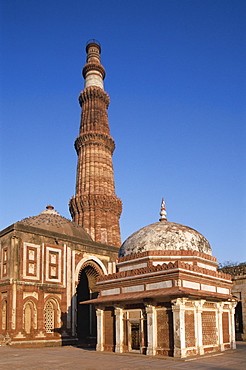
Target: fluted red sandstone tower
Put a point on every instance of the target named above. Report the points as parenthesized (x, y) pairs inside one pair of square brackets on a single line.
[(95, 205)]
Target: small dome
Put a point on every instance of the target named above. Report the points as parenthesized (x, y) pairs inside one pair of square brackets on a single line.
[(164, 236), (51, 220)]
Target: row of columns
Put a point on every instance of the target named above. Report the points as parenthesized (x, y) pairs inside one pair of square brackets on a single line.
[(119, 330), (178, 309)]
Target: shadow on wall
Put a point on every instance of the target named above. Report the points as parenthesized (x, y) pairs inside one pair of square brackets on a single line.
[(81, 317)]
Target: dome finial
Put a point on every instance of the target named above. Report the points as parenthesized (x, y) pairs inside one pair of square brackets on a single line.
[(163, 212), (50, 211)]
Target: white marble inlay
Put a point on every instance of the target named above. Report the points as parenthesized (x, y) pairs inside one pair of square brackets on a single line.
[(53, 257), (205, 266), (40, 335), (208, 288), (19, 335), (30, 294), (135, 288), (110, 291), (110, 269), (31, 268), (50, 253), (160, 285), (223, 290), (26, 266), (156, 263), (191, 284), (53, 294), (31, 254), (53, 271), (133, 267)]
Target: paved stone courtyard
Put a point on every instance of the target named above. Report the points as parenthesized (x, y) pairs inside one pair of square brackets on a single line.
[(76, 358)]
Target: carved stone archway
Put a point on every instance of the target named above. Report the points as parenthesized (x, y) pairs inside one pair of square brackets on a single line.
[(86, 289)]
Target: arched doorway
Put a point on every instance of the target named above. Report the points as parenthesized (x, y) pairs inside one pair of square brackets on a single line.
[(4, 315), (86, 314), (239, 321)]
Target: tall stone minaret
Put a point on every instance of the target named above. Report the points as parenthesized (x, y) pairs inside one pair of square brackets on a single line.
[(95, 205)]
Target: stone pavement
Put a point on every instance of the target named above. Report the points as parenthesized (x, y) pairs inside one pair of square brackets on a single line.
[(76, 358)]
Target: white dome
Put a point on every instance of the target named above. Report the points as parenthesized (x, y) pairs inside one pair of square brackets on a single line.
[(164, 236)]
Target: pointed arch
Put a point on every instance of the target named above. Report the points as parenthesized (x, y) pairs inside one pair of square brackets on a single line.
[(90, 258), (4, 314), (52, 315), (92, 271), (29, 316), (87, 289)]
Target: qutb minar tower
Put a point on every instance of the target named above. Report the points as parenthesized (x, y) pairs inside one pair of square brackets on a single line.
[(95, 206)]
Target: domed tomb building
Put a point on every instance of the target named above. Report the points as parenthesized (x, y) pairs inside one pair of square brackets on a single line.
[(49, 263), (167, 297)]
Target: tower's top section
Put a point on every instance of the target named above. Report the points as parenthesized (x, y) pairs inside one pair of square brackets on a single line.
[(93, 72), (96, 45)]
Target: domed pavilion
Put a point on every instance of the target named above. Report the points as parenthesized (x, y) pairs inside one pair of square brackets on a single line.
[(167, 297)]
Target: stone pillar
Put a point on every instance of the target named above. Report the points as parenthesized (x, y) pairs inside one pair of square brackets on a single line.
[(74, 312), (99, 313), (232, 324), (219, 325), (14, 304), (119, 329), (151, 330), (69, 288), (143, 344), (178, 309), (74, 295), (198, 327)]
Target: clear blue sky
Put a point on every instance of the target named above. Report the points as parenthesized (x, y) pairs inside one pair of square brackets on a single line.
[(176, 79)]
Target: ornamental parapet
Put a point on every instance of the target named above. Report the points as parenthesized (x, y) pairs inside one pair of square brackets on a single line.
[(167, 253), (94, 138), (93, 92), (165, 267)]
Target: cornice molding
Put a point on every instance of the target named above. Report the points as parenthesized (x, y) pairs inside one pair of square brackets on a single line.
[(94, 138), (106, 203)]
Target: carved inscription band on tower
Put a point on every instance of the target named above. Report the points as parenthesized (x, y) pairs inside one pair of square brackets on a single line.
[(95, 205)]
